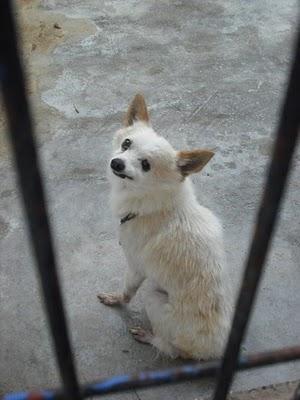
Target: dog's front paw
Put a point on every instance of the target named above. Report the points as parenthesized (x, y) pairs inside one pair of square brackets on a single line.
[(141, 335), (111, 299)]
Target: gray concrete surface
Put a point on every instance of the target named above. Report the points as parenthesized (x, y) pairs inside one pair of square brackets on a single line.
[(213, 73), (281, 391)]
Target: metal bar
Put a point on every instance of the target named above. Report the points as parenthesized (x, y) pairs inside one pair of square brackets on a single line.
[(297, 393), (146, 379), (26, 159), (278, 171)]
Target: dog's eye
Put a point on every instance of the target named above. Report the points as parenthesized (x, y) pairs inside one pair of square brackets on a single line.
[(126, 144), (145, 165)]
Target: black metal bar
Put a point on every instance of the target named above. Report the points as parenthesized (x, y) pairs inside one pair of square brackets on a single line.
[(146, 379), (282, 155), (26, 159), (297, 393)]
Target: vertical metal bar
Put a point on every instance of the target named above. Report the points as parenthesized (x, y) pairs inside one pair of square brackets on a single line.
[(284, 147), (297, 393), (24, 148)]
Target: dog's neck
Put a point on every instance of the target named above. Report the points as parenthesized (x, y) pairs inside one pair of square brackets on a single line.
[(125, 202)]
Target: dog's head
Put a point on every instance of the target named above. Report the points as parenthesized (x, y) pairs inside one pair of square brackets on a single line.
[(144, 161)]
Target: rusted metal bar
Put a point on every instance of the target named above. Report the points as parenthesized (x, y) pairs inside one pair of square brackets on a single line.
[(146, 379), (26, 159), (285, 144)]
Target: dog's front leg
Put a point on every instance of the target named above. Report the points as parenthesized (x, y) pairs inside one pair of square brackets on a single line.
[(133, 280)]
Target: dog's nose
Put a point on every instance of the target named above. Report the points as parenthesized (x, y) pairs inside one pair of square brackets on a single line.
[(117, 164)]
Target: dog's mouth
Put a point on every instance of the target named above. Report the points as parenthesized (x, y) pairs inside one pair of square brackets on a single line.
[(122, 176)]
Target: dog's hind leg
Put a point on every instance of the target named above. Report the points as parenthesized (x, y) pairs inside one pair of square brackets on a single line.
[(133, 280), (147, 337), (157, 310)]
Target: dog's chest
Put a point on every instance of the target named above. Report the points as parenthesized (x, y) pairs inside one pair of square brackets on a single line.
[(131, 237), (138, 236)]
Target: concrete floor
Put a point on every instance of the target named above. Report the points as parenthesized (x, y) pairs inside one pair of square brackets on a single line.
[(213, 73), (281, 391)]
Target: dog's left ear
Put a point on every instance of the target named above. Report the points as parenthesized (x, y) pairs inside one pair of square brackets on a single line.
[(137, 111), (193, 161)]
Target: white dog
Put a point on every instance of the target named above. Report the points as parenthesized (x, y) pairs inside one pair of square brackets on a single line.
[(169, 239)]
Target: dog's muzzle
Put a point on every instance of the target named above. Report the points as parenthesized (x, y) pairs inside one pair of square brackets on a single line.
[(117, 165)]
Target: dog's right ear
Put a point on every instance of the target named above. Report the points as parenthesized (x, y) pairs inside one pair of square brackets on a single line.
[(193, 161), (137, 111)]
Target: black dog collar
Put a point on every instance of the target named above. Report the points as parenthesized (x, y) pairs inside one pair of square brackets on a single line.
[(127, 217)]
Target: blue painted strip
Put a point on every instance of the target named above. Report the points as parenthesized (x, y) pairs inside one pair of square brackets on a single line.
[(45, 395), (156, 376), (48, 395), (104, 386), (16, 396), (191, 370)]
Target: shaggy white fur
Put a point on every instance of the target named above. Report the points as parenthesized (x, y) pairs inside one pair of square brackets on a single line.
[(171, 240)]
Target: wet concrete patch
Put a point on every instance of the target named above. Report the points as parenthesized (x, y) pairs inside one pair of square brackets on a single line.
[(41, 31)]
